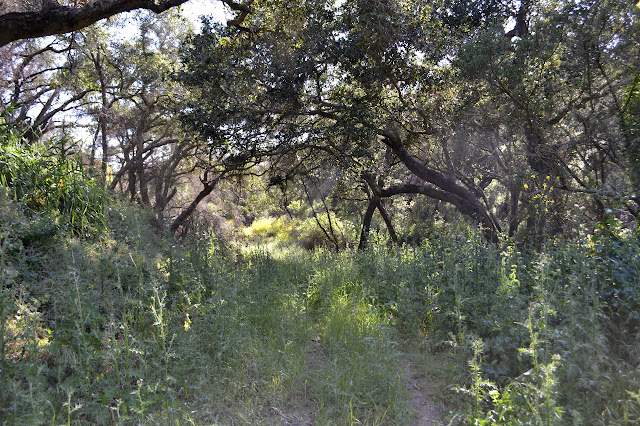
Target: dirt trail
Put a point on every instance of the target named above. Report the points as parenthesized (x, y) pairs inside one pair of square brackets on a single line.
[(428, 413), (425, 411)]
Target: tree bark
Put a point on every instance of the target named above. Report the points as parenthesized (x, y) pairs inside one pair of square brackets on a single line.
[(209, 186), (387, 221), (448, 191), (56, 19), (102, 118), (366, 222), (375, 202), (59, 20), (514, 221), (139, 160)]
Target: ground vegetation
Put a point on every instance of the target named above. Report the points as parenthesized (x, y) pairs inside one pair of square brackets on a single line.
[(323, 212)]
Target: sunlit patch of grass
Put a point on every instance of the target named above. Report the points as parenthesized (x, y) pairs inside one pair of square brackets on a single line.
[(25, 338), (352, 323), (356, 378)]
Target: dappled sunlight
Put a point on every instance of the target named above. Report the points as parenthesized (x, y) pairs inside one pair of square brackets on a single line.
[(353, 324), (320, 212)]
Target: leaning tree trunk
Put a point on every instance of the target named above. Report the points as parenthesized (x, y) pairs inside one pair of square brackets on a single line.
[(366, 222), (447, 189), (209, 186), (387, 221)]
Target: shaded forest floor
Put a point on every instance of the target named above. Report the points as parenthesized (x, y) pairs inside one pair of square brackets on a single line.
[(130, 326), (422, 399)]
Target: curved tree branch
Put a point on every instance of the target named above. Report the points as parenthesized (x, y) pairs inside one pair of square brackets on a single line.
[(59, 19), (56, 19), (447, 189)]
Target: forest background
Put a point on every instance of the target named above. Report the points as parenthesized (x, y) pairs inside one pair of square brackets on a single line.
[(288, 217)]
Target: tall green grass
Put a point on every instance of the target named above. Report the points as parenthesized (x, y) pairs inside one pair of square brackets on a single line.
[(129, 326)]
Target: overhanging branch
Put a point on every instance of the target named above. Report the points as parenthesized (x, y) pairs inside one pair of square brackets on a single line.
[(61, 19), (55, 19)]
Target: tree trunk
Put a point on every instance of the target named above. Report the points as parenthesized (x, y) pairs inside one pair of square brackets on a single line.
[(186, 213), (366, 222), (139, 161), (387, 221), (102, 119), (448, 191), (513, 210), (131, 184)]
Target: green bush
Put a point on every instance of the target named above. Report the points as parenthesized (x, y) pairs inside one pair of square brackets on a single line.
[(325, 231), (135, 327), (333, 234), (49, 178), (281, 229)]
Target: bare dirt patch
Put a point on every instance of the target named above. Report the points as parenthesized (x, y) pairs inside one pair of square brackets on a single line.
[(421, 402), (303, 416)]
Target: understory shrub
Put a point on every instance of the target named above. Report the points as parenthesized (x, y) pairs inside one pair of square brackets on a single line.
[(49, 178), (314, 232), (105, 320)]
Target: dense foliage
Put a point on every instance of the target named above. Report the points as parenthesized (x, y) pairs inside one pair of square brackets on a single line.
[(522, 131), (51, 182), (308, 214), (118, 324)]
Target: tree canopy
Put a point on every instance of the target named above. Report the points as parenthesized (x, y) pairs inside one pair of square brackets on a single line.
[(457, 97), (284, 217)]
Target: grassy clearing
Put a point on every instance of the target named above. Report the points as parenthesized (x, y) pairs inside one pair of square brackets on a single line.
[(134, 328), (114, 323)]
